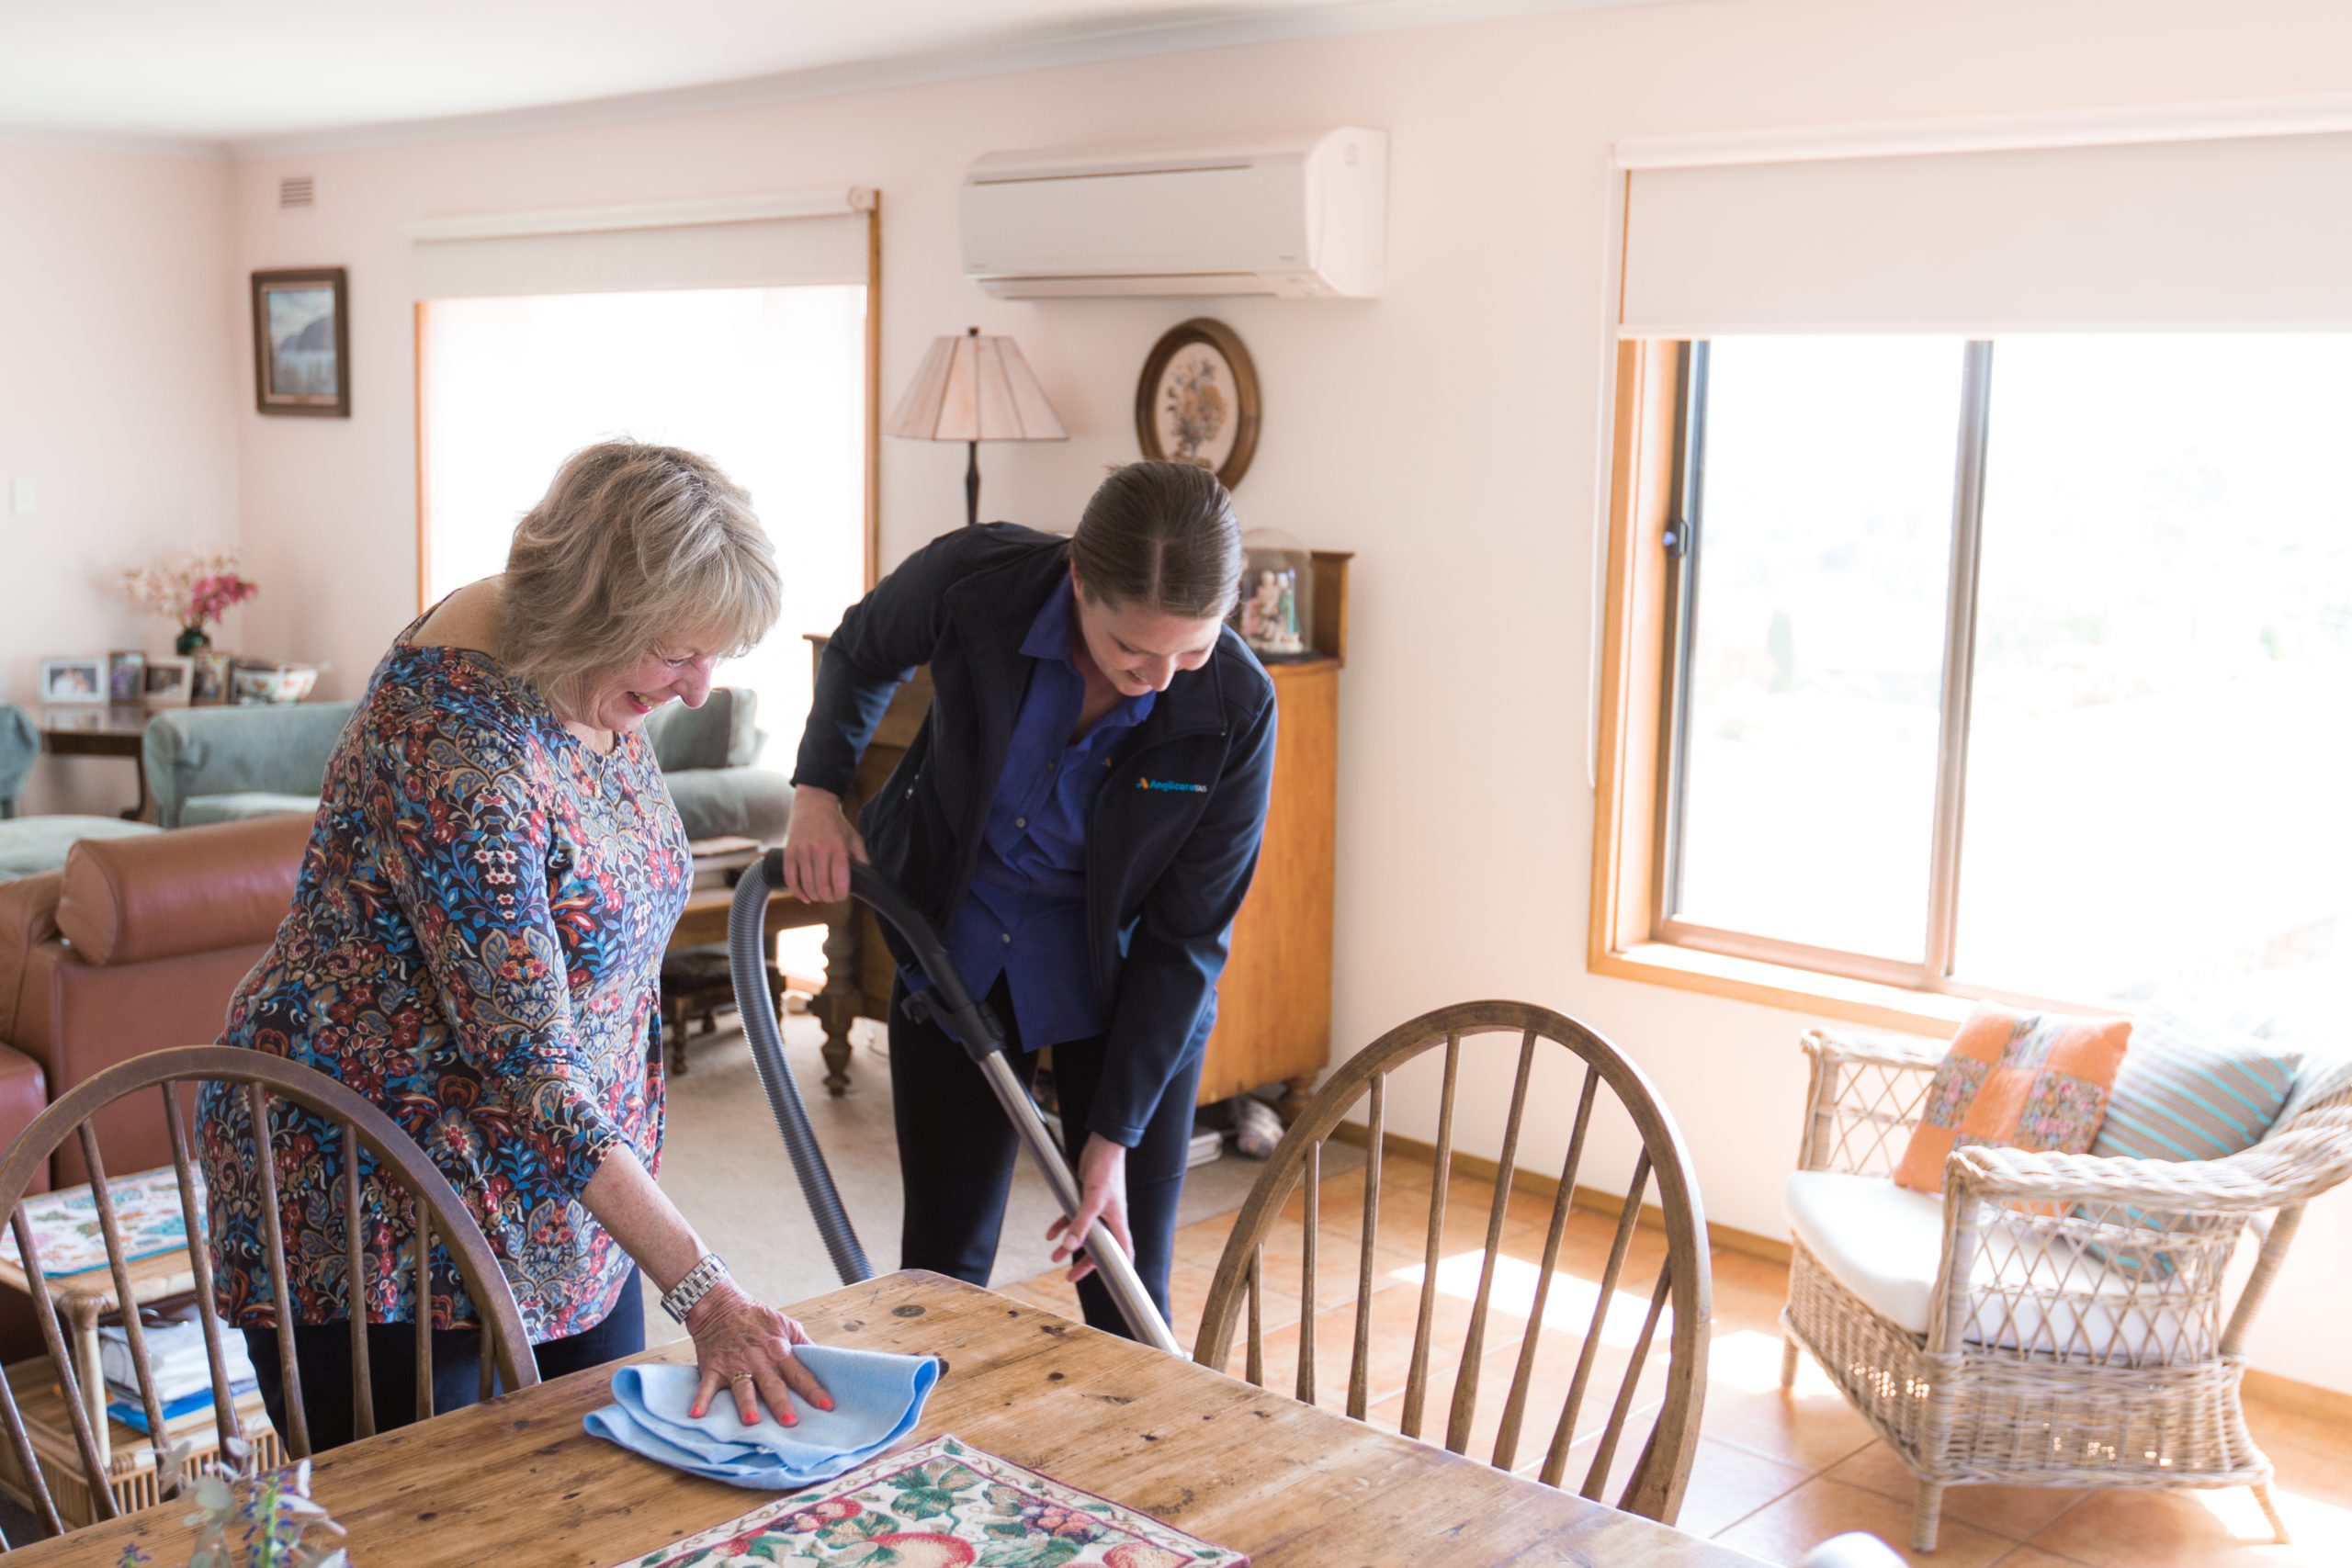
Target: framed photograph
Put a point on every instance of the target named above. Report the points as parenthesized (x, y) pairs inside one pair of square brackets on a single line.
[(169, 682), (1197, 401), (210, 683), (68, 681), (303, 342), (127, 676)]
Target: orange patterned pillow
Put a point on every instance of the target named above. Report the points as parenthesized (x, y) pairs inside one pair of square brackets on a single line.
[(2028, 1080)]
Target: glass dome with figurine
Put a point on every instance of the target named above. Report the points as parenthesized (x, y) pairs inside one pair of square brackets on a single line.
[(1277, 594)]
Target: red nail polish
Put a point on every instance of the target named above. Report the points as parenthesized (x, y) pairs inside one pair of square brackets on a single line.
[(824, 1404)]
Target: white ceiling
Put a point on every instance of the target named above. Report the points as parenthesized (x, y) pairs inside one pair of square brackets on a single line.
[(237, 71)]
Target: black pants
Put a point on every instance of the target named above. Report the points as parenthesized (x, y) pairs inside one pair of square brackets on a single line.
[(322, 1355), (957, 1153)]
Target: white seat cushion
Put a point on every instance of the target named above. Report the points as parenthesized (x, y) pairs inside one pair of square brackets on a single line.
[(1883, 1243)]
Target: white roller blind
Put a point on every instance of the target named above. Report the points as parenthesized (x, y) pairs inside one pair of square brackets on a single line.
[(761, 241), (2235, 233)]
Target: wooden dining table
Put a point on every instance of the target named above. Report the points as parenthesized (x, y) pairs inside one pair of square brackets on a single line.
[(517, 1480)]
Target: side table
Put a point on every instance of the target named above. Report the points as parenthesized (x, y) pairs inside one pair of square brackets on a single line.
[(84, 1301), (117, 732), (702, 985)]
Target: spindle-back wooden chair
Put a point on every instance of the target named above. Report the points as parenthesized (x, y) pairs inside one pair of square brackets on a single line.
[(1654, 1487), (440, 1214)]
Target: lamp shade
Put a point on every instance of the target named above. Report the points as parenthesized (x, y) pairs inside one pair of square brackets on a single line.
[(975, 389)]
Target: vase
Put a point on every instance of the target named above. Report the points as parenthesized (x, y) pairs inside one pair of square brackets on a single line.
[(193, 640)]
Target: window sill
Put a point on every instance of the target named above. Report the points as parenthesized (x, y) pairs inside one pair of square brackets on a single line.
[(1864, 1002)]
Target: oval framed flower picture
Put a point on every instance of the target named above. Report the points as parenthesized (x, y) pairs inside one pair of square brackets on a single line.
[(1197, 401)]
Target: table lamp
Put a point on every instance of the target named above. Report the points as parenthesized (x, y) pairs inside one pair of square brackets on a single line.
[(973, 389)]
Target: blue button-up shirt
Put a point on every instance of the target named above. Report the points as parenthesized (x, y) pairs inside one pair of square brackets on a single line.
[(1025, 916)]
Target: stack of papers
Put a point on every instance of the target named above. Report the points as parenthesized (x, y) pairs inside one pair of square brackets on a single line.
[(175, 1358), (877, 1398)]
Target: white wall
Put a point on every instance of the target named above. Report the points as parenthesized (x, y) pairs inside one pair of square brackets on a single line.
[(1449, 434), (117, 372)]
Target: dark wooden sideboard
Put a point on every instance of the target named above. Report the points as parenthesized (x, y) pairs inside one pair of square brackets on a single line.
[(1274, 1022)]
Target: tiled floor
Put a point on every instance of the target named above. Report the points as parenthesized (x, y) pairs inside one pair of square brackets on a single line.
[(1776, 1472)]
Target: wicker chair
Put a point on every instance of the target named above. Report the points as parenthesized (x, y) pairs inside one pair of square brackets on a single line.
[(2070, 1330)]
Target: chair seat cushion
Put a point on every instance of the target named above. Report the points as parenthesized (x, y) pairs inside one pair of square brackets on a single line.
[(1883, 1244), (31, 845), (244, 803)]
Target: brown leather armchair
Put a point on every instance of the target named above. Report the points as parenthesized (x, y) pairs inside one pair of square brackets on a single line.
[(134, 946)]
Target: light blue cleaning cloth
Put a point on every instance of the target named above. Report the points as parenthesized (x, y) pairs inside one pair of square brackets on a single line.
[(877, 1398)]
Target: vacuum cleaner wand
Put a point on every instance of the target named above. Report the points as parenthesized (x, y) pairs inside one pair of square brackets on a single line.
[(983, 1039), (748, 966)]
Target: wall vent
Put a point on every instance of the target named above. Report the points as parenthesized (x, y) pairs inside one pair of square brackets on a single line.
[(295, 191)]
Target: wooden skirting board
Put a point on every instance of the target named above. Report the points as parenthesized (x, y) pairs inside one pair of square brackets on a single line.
[(1598, 1200), (2290, 1393)]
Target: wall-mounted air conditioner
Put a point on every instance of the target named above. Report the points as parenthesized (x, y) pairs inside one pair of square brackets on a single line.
[(1301, 216)]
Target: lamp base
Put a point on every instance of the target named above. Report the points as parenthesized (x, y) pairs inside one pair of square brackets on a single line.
[(972, 486)]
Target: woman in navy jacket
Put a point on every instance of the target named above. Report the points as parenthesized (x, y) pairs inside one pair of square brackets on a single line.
[(1080, 814)]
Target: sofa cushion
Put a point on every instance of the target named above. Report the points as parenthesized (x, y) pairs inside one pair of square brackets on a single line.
[(1885, 1243), (243, 805), (753, 803), (191, 890), (719, 734), (31, 845)]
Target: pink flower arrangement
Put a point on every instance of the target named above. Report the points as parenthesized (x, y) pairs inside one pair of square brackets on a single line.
[(196, 592)]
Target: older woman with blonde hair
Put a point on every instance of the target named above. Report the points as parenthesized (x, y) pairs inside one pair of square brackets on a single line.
[(475, 943)]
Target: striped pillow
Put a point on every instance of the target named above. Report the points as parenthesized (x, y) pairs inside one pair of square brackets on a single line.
[(2190, 1091)]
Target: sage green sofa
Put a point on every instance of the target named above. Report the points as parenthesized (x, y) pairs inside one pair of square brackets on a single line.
[(223, 764), (19, 744), (710, 756), (31, 845)]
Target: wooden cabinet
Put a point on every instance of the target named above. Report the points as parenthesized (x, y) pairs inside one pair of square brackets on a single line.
[(1274, 1022), (1273, 1015)]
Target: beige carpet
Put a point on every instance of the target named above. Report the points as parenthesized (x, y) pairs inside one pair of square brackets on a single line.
[(724, 1165)]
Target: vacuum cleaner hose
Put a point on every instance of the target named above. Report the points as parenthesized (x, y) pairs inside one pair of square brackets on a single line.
[(746, 936)]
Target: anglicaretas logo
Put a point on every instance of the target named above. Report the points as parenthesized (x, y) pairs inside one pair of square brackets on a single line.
[(1178, 785)]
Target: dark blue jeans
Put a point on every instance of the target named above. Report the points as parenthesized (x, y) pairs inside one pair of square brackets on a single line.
[(322, 1355), (957, 1153)]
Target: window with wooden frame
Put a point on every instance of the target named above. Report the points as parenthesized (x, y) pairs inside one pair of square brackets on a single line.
[(745, 329), (1939, 668)]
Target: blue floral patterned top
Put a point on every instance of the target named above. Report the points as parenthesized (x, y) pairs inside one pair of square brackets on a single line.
[(475, 945)]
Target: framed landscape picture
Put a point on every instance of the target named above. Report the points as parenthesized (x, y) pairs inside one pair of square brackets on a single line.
[(303, 342)]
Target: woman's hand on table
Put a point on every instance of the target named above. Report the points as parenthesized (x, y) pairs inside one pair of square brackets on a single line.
[(735, 1335), (819, 847), (1102, 1195)]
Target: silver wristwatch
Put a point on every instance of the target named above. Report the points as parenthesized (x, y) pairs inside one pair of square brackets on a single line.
[(699, 1281)]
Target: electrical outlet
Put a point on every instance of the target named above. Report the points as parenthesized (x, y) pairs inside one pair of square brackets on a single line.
[(21, 498)]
